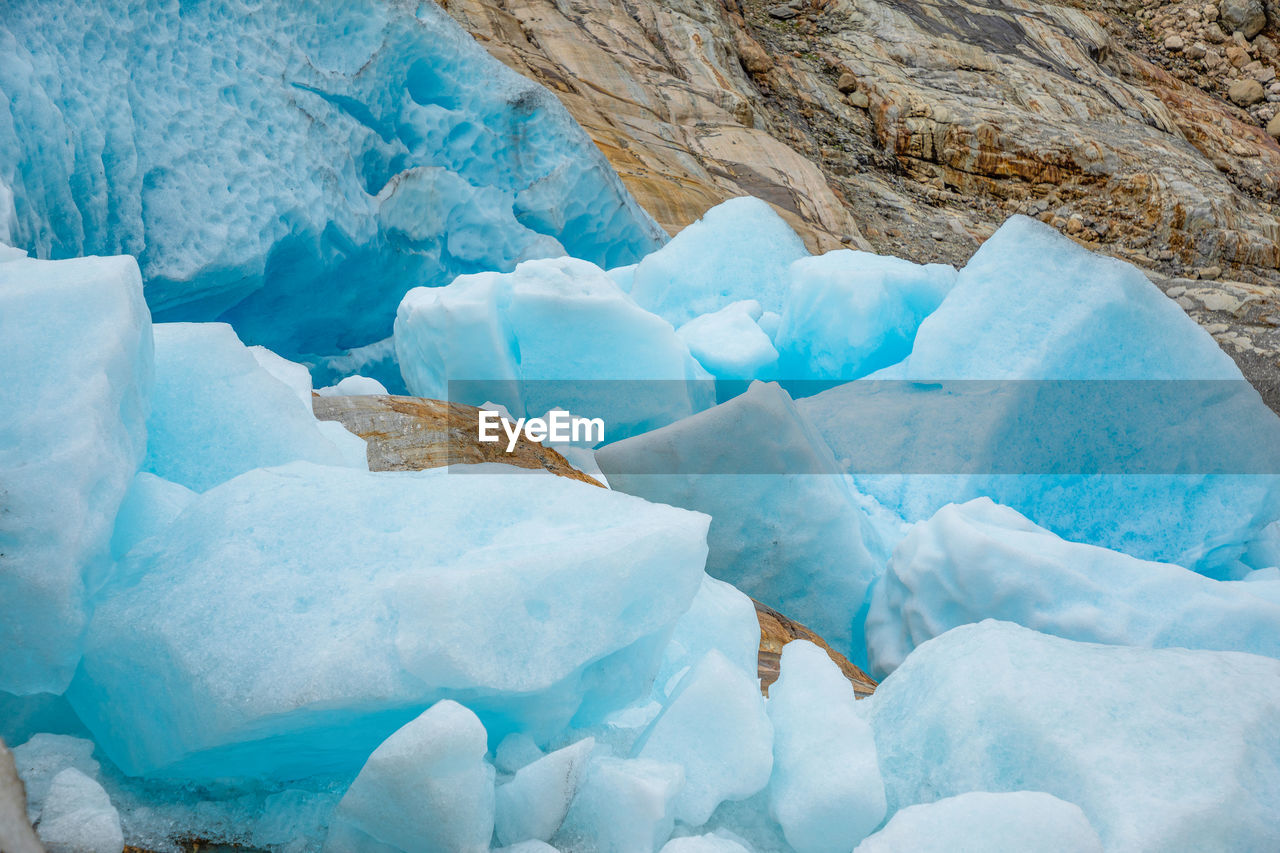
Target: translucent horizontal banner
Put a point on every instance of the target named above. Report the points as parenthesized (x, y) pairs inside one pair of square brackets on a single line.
[(879, 427)]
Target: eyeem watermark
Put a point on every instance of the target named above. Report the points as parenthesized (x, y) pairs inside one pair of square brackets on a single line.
[(559, 427)]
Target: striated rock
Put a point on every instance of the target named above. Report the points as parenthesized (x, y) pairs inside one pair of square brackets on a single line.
[(1244, 16), (413, 433), (777, 630), (663, 89), (1246, 92)]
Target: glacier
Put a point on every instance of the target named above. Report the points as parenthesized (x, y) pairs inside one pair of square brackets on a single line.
[(219, 624), (291, 168)]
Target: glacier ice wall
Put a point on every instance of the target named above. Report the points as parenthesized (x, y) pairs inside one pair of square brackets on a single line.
[(290, 167)]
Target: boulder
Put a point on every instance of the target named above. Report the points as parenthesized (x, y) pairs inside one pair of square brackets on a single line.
[(1246, 92), (1245, 16)]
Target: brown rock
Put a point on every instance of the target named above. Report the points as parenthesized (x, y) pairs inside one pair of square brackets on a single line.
[(1173, 43), (1246, 92), (777, 630), (847, 83), (413, 433), (754, 58), (1273, 127)]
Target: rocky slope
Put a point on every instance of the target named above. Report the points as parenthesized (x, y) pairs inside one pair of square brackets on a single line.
[(914, 127)]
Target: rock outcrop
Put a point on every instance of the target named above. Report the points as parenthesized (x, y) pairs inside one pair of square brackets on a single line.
[(413, 433), (917, 126)]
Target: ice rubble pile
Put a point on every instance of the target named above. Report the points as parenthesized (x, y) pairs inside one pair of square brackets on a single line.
[(289, 166), (228, 628)]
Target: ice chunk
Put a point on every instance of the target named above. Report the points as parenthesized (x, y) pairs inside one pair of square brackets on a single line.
[(826, 790), (353, 386), (217, 413), (623, 805), (1049, 309), (558, 319), (709, 843), (980, 560), (295, 375), (785, 526), (515, 751), (529, 847), (289, 168), (42, 758), (730, 344), (721, 617), (1079, 458), (78, 817), (533, 804), (149, 506), (75, 341), (426, 788), (1156, 756), (739, 249), (978, 822), (293, 617), (849, 313), (715, 725)]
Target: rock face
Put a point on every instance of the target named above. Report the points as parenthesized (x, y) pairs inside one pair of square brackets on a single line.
[(927, 122), (412, 433)]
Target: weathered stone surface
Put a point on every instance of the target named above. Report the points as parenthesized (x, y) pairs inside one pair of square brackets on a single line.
[(413, 433), (777, 630), (666, 92), (1273, 127), (974, 110)]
